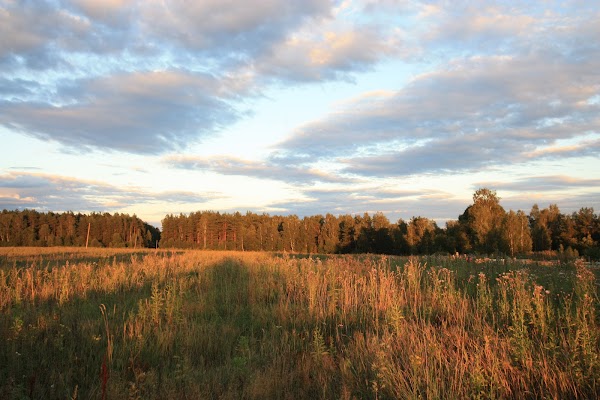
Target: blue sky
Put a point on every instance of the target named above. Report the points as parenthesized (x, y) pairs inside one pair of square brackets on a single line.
[(298, 107)]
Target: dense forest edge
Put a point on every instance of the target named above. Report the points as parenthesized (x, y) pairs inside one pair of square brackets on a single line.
[(32, 228), (484, 227)]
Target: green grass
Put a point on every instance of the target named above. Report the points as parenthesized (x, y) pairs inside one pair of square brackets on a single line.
[(194, 324)]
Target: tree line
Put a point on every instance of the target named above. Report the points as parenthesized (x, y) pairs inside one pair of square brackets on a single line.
[(484, 227), (32, 228)]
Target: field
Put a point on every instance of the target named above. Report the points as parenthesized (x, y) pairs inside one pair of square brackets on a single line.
[(118, 324)]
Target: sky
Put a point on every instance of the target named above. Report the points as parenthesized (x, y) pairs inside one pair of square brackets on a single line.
[(298, 107)]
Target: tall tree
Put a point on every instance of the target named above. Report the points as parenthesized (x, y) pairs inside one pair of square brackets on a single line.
[(420, 235), (546, 227), (516, 232), (483, 220)]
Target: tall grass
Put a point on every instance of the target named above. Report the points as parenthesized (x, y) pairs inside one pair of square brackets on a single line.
[(252, 325)]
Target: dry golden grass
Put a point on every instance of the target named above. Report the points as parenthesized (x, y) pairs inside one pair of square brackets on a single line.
[(113, 324)]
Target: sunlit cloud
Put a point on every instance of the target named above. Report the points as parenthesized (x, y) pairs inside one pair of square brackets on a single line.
[(483, 111), (44, 192), (543, 183), (327, 52), (269, 169)]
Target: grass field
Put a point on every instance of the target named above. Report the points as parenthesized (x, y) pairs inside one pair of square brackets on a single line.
[(117, 324)]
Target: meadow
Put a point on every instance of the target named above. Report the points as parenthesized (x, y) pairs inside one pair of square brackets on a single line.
[(149, 324)]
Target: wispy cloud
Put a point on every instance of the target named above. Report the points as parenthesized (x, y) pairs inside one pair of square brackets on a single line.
[(44, 192), (477, 112), (328, 52), (395, 203), (270, 169), (543, 183), (583, 148)]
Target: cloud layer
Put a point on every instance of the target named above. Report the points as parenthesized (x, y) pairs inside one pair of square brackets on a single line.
[(439, 89), (149, 77), (477, 112), (142, 113), (44, 192)]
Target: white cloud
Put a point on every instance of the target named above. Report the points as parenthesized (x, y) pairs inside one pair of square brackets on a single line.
[(325, 50), (474, 112), (227, 165), (149, 77), (560, 183), (146, 112), (45, 192), (226, 28)]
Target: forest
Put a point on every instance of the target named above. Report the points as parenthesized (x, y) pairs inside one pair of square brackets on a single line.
[(484, 227), (32, 228)]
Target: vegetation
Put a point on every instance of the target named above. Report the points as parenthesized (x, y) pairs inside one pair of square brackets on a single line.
[(484, 228), (31, 228), (112, 324)]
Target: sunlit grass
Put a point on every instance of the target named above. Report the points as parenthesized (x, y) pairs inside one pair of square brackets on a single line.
[(112, 324)]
